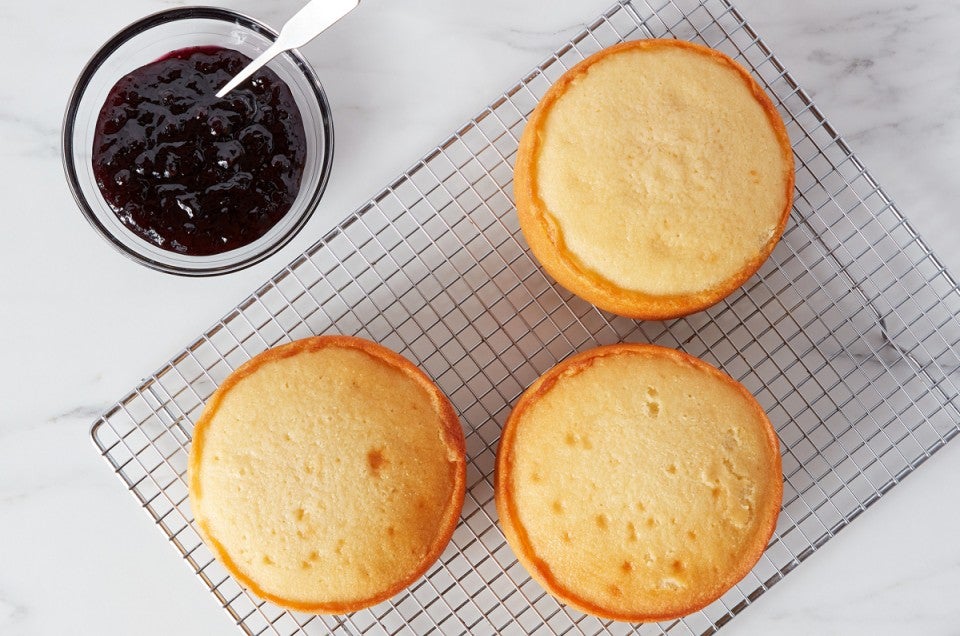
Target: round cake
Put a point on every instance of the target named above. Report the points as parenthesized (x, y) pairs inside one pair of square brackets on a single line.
[(638, 483), (654, 178), (327, 474)]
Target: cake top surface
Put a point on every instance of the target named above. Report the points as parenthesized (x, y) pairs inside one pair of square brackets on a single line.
[(638, 483), (327, 474), (665, 168)]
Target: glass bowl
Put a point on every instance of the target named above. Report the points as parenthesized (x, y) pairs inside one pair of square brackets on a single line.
[(150, 39)]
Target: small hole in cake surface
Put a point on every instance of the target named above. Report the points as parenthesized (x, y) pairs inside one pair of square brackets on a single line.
[(653, 409), (298, 514), (376, 461), (566, 538), (631, 532), (391, 531), (267, 560), (557, 507), (691, 535), (733, 438), (672, 469), (615, 590), (577, 439), (669, 584), (602, 522), (677, 566), (626, 567)]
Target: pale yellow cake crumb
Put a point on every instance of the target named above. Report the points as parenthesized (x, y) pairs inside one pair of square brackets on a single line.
[(329, 477), (654, 178), (637, 483)]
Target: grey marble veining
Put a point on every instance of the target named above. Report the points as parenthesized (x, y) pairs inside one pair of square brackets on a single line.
[(82, 325)]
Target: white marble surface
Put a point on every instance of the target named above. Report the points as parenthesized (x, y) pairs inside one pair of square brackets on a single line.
[(80, 325)]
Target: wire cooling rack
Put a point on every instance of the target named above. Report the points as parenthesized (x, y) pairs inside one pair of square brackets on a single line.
[(848, 336)]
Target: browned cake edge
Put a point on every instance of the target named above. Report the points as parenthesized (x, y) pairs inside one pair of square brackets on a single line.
[(546, 238), (517, 536), (452, 435)]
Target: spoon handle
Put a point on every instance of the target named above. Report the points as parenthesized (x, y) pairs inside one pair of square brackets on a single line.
[(315, 17), (262, 60), (309, 22)]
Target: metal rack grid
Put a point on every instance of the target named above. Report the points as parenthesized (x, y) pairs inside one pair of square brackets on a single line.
[(848, 337)]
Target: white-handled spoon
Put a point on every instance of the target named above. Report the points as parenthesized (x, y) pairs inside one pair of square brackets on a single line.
[(308, 23)]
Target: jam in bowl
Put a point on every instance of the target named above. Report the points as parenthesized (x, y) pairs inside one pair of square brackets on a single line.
[(181, 180)]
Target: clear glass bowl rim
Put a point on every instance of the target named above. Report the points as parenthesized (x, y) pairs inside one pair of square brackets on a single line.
[(109, 48)]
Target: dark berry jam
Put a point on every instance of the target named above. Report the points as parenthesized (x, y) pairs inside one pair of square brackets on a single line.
[(191, 173)]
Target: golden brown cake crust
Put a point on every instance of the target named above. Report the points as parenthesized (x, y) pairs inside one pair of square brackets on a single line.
[(451, 434), (546, 238), (517, 535)]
